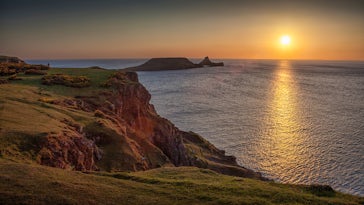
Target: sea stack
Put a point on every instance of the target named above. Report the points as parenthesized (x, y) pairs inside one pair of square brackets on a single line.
[(207, 62)]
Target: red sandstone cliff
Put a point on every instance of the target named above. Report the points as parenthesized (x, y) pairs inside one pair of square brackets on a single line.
[(127, 134)]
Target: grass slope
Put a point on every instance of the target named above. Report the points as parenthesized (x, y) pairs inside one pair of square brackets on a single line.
[(96, 75), (26, 117), (35, 184)]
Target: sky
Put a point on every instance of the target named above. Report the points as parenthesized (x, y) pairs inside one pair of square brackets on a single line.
[(53, 29)]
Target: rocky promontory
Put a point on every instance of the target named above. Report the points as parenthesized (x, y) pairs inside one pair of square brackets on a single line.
[(107, 125), (158, 64), (129, 135)]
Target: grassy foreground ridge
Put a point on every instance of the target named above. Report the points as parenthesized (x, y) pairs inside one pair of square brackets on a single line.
[(34, 184), (45, 124)]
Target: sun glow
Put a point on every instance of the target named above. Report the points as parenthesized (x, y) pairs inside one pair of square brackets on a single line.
[(285, 40)]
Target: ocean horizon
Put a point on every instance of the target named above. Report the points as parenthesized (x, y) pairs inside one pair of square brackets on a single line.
[(120, 63)]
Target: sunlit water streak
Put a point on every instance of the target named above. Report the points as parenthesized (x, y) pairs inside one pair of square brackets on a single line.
[(282, 129), (294, 121)]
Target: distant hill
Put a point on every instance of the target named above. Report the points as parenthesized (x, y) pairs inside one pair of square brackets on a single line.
[(157, 64)]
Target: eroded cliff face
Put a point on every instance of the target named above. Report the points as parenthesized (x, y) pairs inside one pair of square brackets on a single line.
[(127, 134)]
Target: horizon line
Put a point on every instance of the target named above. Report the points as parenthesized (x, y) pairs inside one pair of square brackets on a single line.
[(219, 58)]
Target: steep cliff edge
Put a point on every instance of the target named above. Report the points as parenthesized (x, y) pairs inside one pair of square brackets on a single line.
[(151, 140), (108, 126)]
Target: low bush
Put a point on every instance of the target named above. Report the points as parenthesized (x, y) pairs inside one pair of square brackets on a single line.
[(5, 70), (35, 67), (99, 114), (34, 72), (321, 190), (14, 77), (66, 80), (3, 81), (46, 100)]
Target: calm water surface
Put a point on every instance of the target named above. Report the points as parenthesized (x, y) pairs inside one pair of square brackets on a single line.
[(294, 121)]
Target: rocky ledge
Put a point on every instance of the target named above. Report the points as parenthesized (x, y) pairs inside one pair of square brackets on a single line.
[(157, 64)]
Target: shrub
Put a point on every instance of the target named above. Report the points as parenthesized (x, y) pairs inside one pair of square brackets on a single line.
[(66, 80), (46, 100), (321, 190), (3, 81), (6, 70), (99, 113), (35, 67), (34, 72), (14, 77)]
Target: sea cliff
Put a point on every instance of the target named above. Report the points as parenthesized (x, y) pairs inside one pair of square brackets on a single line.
[(119, 131)]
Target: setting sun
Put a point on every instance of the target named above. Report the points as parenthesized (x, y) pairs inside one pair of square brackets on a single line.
[(285, 40)]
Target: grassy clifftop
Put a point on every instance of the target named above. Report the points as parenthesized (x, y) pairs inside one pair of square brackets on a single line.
[(34, 184), (27, 112)]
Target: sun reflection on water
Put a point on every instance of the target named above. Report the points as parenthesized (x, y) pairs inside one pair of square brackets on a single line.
[(284, 133), (283, 104)]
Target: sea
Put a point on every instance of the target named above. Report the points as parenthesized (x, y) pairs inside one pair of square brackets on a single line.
[(295, 121)]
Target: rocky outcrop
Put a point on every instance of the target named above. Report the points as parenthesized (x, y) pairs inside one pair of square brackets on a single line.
[(69, 150), (12, 65), (10, 59), (131, 136), (157, 64), (206, 62)]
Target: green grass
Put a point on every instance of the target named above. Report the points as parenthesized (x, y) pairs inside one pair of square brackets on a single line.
[(97, 77), (35, 184), (25, 119), (25, 113)]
